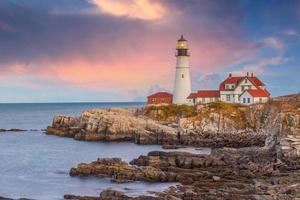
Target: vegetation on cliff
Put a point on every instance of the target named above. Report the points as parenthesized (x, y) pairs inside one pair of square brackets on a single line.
[(173, 113), (170, 112)]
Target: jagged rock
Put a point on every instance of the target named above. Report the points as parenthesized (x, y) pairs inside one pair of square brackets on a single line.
[(112, 125), (236, 175), (110, 194), (268, 168), (120, 171), (125, 125)]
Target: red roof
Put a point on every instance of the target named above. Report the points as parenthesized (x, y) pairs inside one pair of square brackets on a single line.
[(255, 81), (237, 79), (192, 96), (160, 95), (258, 93), (205, 93), (231, 80)]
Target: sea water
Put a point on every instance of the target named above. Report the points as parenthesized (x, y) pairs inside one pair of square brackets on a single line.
[(35, 165)]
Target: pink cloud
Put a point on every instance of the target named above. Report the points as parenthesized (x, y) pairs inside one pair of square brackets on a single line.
[(112, 52)]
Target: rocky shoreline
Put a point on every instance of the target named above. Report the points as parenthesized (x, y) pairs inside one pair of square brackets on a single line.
[(257, 158), (228, 173), (125, 125)]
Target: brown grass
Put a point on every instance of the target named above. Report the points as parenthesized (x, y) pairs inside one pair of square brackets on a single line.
[(170, 112)]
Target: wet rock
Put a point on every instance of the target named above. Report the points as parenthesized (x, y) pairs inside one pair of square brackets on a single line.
[(13, 130), (120, 171), (74, 197), (110, 194)]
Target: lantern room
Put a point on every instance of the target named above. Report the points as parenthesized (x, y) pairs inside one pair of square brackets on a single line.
[(182, 48)]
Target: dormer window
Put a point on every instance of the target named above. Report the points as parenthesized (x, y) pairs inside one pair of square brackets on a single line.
[(232, 87)]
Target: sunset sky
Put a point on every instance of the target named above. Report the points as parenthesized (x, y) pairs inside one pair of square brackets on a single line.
[(123, 50)]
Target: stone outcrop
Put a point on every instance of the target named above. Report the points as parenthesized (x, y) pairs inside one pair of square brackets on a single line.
[(120, 171), (112, 125), (228, 173), (232, 126), (110, 195), (125, 125)]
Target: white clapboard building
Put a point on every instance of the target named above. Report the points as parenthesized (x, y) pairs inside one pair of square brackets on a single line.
[(246, 90)]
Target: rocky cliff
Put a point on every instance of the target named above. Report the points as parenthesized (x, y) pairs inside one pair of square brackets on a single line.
[(268, 171), (210, 126), (113, 125), (228, 173)]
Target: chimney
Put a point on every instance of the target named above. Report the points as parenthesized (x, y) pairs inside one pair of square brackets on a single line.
[(247, 74), (251, 74), (230, 75)]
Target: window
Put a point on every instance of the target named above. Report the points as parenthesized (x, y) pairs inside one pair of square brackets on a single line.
[(260, 100), (227, 86), (153, 100), (203, 100), (163, 100), (211, 99), (244, 100), (246, 80), (232, 86), (243, 88), (182, 75), (248, 100), (227, 97)]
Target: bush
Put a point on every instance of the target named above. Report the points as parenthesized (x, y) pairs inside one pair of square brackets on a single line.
[(171, 112), (222, 106)]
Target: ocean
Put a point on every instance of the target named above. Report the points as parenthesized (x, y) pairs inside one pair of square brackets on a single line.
[(36, 166)]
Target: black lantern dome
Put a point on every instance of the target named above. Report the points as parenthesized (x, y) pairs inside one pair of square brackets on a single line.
[(182, 49)]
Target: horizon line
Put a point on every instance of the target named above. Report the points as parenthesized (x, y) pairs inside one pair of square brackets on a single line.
[(73, 102)]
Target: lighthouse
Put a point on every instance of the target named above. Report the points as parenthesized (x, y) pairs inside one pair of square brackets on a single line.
[(182, 88)]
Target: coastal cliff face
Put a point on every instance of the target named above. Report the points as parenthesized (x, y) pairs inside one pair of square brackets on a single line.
[(228, 173), (212, 126), (266, 164), (113, 125)]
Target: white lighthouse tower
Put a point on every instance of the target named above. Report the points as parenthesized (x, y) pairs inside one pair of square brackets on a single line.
[(182, 87)]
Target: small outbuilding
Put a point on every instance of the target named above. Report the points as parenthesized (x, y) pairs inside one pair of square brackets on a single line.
[(160, 98), (204, 96)]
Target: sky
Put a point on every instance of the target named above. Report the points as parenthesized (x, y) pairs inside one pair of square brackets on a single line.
[(123, 50)]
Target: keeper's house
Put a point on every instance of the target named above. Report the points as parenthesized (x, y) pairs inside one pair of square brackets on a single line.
[(234, 89)]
